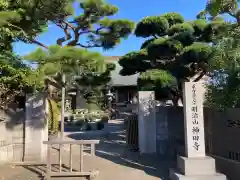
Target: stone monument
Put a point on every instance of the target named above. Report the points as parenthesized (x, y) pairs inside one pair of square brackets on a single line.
[(36, 128), (146, 122), (196, 165)]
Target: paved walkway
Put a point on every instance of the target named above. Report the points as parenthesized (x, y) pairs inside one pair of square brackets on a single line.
[(112, 160)]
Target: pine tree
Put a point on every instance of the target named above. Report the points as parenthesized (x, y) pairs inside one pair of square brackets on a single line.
[(22, 20), (175, 51), (92, 28)]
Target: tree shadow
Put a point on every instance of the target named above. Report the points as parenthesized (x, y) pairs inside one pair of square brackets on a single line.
[(12, 117), (33, 115), (114, 148), (41, 170)]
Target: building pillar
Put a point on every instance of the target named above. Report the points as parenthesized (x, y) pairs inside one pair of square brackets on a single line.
[(116, 95)]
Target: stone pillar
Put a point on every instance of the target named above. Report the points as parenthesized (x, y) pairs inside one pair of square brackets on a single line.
[(36, 128), (146, 122), (193, 120), (78, 102), (196, 165)]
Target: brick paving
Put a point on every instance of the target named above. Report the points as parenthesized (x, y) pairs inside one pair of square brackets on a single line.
[(112, 160)]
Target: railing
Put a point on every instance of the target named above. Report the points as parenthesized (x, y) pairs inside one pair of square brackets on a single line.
[(132, 131), (71, 173)]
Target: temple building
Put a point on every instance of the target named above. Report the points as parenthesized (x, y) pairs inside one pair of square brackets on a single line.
[(123, 87)]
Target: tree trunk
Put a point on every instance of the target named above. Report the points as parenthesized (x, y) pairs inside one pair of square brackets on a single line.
[(175, 101)]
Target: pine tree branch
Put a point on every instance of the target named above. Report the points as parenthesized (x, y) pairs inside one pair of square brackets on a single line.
[(38, 43), (66, 26), (77, 35), (88, 46), (31, 40), (67, 36), (76, 38), (234, 15), (69, 24)]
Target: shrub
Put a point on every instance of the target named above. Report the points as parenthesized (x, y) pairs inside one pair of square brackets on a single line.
[(80, 111), (105, 118), (79, 123), (71, 118), (90, 116), (53, 117)]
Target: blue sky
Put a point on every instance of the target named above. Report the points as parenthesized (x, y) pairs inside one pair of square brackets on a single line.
[(133, 10)]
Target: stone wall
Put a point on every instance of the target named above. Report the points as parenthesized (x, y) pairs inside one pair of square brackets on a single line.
[(11, 135)]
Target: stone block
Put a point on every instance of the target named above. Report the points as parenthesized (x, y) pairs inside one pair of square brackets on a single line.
[(6, 154), (10, 152), (196, 169), (196, 166), (18, 152), (177, 176)]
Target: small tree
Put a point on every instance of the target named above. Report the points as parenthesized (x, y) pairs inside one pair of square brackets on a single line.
[(30, 18), (175, 51), (92, 85), (223, 90), (87, 68), (22, 20), (25, 20), (93, 26), (216, 8)]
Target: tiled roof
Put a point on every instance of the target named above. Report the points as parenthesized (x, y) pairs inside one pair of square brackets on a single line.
[(117, 79)]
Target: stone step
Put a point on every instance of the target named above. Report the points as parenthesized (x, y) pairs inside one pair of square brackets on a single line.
[(196, 166), (174, 175)]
